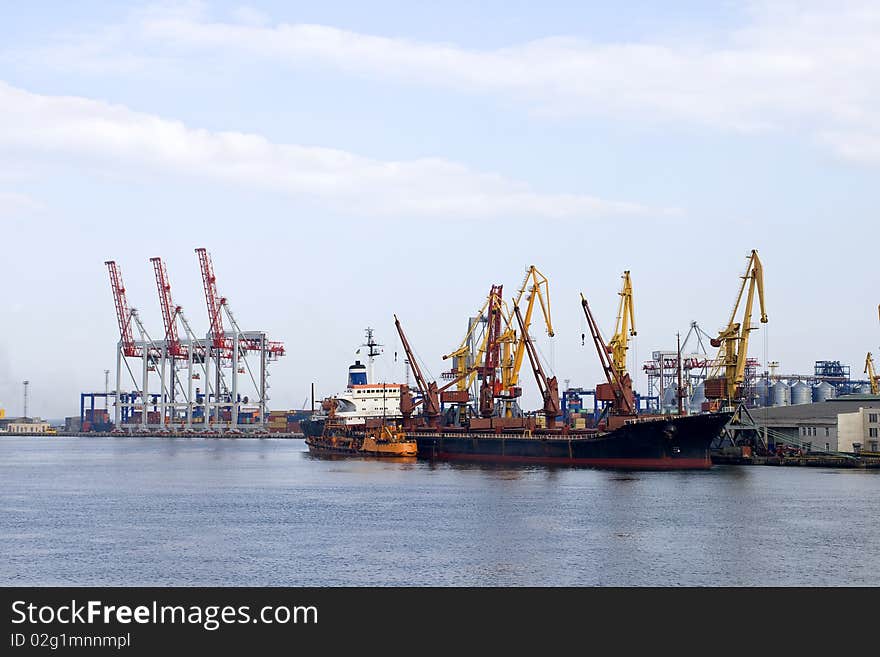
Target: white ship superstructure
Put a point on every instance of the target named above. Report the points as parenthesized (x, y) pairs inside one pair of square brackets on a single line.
[(370, 400), (365, 399)]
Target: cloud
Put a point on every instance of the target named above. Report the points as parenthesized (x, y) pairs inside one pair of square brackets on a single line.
[(858, 147), (805, 68), (114, 136)]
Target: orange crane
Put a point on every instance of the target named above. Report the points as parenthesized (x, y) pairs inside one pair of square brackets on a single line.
[(548, 386), (490, 388), (431, 394), (617, 390)]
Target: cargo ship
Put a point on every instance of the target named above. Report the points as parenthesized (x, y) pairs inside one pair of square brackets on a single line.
[(621, 438), (652, 443)]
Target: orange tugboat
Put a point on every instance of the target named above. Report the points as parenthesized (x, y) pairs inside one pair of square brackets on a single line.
[(340, 438)]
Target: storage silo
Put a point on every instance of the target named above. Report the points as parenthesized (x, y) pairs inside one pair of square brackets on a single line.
[(762, 390), (823, 391), (800, 393), (780, 394)]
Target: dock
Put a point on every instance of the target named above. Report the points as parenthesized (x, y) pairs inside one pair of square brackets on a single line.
[(814, 460)]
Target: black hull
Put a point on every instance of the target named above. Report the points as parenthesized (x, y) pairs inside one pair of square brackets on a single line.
[(674, 443), (319, 446), (312, 428)]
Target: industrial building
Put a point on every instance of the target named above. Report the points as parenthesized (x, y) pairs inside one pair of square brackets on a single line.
[(859, 431), (843, 424)]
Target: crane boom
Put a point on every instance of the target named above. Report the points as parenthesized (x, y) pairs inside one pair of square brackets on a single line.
[(539, 290), (733, 341), (214, 301), (617, 390), (430, 393), (123, 313), (216, 304), (169, 310), (548, 387)]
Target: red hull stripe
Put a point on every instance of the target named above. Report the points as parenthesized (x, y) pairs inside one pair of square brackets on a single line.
[(633, 464)]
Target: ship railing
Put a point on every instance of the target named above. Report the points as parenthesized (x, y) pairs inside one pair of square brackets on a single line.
[(516, 436)]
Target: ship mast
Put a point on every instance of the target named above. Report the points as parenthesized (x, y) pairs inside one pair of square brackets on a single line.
[(372, 351)]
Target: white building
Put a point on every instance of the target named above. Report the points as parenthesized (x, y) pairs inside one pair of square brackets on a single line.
[(859, 431), (830, 426), (24, 425)]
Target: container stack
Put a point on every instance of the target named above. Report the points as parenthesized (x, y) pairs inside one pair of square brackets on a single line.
[(277, 421)]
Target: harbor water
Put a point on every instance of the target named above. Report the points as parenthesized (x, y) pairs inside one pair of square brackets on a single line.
[(264, 512)]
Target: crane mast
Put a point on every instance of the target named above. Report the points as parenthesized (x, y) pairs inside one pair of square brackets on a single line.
[(624, 328), (214, 301), (733, 341), (123, 313), (464, 358), (490, 386), (170, 312), (535, 287), (430, 393), (872, 376), (548, 387)]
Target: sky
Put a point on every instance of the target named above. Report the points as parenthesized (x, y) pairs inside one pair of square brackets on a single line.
[(345, 161)]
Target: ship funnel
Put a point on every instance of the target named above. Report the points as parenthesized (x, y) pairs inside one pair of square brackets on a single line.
[(357, 374)]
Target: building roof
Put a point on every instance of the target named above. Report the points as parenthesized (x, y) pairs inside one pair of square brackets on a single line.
[(857, 397), (816, 413)]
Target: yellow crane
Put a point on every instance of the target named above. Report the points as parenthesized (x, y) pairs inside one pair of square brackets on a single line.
[(464, 358), (733, 341), (469, 362), (535, 287), (872, 376), (624, 329)]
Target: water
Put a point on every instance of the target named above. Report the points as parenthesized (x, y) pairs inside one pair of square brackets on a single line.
[(149, 511)]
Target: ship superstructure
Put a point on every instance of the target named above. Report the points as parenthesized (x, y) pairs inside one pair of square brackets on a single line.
[(363, 401)]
